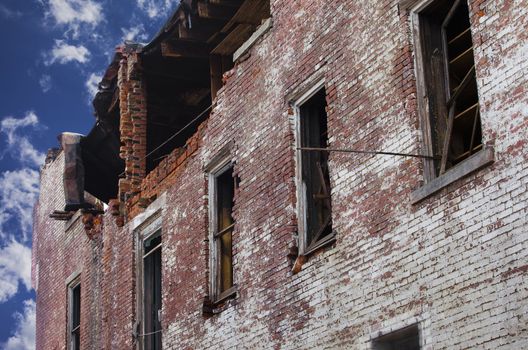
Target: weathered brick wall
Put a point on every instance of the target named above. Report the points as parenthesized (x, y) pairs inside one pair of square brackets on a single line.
[(61, 250), (133, 126), (455, 262)]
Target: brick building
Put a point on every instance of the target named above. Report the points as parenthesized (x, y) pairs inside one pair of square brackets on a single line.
[(293, 175)]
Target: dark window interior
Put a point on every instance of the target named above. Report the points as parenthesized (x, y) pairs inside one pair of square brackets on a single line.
[(450, 82), (75, 314), (315, 176), (225, 190), (152, 292), (404, 339)]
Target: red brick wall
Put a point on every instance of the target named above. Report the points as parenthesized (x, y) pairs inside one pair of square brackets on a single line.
[(61, 250), (455, 262)]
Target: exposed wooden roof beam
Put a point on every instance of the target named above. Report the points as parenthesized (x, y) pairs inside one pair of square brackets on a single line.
[(234, 39), (201, 30), (215, 11), (232, 3), (185, 76), (180, 49), (250, 12)]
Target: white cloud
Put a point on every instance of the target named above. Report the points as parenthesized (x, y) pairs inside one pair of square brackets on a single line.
[(24, 336), (8, 13), (68, 12), (45, 83), (74, 15), (64, 53), (18, 192), (92, 84), (19, 145), (157, 8), (15, 267), (136, 33)]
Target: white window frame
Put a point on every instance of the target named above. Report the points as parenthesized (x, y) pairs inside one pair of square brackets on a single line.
[(150, 227), (485, 156), (73, 283), (300, 185), (214, 170)]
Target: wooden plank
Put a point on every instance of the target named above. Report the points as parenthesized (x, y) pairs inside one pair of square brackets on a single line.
[(466, 112), (215, 11), (201, 30), (464, 34), (464, 57), (467, 153), (263, 29), (251, 12), (422, 92), (447, 140), (469, 165), (234, 39), (232, 3), (216, 74), (180, 49)]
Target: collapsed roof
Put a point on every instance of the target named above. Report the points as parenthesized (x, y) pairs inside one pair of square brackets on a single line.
[(182, 68)]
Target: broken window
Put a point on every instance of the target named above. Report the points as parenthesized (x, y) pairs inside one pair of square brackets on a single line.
[(152, 292), (222, 190), (404, 339), (316, 208), (449, 84), (74, 314)]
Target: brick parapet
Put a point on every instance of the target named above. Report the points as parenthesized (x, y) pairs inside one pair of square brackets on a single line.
[(133, 126), (165, 174)]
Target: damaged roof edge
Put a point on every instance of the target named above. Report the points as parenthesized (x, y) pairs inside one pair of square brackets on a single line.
[(108, 82)]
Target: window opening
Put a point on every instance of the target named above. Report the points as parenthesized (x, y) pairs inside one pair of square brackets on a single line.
[(404, 339), (224, 190), (314, 170), (449, 69), (75, 315), (152, 292)]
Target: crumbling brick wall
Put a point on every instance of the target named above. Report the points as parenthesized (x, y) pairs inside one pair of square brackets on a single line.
[(61, 251), (455, 262)]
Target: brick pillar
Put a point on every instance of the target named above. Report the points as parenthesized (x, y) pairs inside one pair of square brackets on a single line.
[(137, 106), (133, 125)]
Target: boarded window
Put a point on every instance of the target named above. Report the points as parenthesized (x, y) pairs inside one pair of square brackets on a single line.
[(450, 83), (315, 177), (404, 339), (74, 314), (152, 292), (222, 222)]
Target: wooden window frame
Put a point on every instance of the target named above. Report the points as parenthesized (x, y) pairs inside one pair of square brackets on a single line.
[(479, 159), (148, 229), (305, 247), (72, 285), (220, 166)]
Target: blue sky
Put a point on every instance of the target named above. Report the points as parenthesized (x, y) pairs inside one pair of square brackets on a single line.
[(53, 55)]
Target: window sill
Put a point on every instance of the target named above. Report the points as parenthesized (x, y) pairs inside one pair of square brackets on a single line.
[(326, 241), (468, 166), (302, 258), (213, 307)]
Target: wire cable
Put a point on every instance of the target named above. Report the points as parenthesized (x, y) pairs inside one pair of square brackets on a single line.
[(365, 152), (174, 135)]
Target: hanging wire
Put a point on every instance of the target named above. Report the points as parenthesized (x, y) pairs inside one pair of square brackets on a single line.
[(298, 148), (174, 135), (365, 152), (147, 334)]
